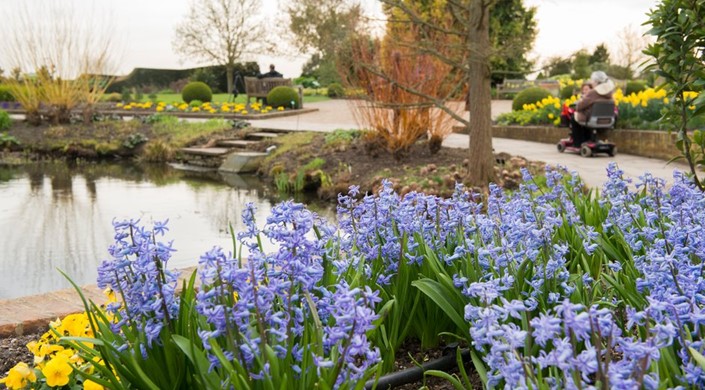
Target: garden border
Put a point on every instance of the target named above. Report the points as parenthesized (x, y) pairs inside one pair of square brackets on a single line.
[(196, 115), (644, 143)]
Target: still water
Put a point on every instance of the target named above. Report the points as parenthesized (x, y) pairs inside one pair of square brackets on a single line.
[(56, 216)]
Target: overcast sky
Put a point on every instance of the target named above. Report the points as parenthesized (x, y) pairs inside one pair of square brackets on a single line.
[(145, 28)]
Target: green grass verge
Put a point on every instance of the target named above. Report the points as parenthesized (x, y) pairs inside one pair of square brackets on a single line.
[(288, 142), (180, 133)]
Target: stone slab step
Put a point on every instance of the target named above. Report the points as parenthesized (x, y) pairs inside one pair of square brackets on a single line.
[(206, 151), (192, 168), (261, 135), (235, 143), (277, 131), (242, 162)]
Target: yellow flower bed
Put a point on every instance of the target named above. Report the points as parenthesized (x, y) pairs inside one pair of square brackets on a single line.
[(637, 109), (54, 365), (208, 107)]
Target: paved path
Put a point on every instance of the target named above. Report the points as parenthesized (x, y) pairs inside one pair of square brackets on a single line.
[(337, 114)]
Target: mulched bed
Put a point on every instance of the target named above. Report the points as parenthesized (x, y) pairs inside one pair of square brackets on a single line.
[(356, 163)]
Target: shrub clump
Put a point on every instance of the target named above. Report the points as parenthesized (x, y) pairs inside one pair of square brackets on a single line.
[(335, 90), (634, 87), (283, 97), (6, 95), (112, 97), (195, 103), (197, 91), (529, 96), (567, 92), (5, 121)]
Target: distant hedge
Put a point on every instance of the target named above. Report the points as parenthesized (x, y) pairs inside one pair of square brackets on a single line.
[(161, 78)]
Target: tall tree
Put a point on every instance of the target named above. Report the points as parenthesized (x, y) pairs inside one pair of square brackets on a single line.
[(222, 32), (600, 55), (558, 65), (457, 34), (512, 34), (323, 28), (581, 64)]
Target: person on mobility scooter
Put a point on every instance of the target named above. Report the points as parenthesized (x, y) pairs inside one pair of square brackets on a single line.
[(594, 112)]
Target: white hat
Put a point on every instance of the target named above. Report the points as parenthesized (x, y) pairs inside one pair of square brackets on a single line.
[(602, 84), (605, 88)]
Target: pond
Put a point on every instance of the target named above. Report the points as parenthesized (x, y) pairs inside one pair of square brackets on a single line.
[(59, 216)]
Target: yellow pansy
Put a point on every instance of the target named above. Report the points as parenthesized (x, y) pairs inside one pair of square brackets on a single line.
[(57, 372), (19, 376), (280, 108)]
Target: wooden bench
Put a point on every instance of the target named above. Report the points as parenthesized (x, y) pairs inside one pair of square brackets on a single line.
[(513, 86), (259, 88)]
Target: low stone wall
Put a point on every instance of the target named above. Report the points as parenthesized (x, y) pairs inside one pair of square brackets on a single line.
[(645, 143)]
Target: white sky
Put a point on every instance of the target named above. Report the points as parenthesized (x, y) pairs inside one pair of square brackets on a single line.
[(145, 28)]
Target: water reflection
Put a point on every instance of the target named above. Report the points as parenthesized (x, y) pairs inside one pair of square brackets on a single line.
[(57, 216)]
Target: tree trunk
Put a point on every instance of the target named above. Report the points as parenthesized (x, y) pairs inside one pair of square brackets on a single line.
[(88, 114), (481, 170), (229, 68)]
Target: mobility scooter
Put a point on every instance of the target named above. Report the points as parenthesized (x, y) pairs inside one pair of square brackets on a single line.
[(585, 136)]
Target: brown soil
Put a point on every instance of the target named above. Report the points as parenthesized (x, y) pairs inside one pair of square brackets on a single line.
[(357, 163), (14, 350)]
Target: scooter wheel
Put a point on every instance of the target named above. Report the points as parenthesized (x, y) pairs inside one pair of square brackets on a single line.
[(585, 151), (612, 152), (561, 147)]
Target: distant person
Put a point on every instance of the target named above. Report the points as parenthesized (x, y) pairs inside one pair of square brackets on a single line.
[(569, 109), (271, 73), (602, 90)]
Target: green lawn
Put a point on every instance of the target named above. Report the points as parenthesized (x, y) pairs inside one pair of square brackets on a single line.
[(223, 97)]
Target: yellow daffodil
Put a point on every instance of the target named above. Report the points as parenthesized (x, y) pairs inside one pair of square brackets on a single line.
[(57, 372), (19, 377)]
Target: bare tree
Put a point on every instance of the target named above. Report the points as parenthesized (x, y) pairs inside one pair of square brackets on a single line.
[(460, 38), (630, 48), (70, 44), (222, 32)]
